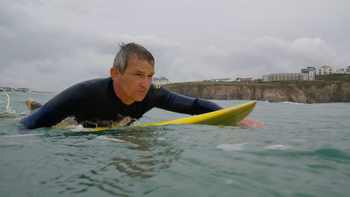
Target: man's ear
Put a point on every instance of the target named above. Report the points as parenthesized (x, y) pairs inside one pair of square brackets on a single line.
[(115, 74)]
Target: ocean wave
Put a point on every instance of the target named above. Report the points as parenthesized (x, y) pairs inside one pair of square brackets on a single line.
[(231, 147), (278, 147), (286, 102), (291, 103), (22, 135), (109, 138)]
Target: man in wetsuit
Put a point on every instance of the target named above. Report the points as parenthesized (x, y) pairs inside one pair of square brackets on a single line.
[(128, 92)]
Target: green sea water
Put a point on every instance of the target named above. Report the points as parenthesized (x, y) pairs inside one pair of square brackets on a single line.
[(304, 152)]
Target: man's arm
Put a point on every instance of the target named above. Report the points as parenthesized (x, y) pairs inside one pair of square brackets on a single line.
[(42, 117), (183, 104), (187, 105), (58, 108)]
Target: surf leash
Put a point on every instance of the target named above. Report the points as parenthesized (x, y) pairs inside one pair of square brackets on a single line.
[(8, 103)]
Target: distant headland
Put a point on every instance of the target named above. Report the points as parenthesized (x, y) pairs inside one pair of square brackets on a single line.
[(324, 89), (9, 89)]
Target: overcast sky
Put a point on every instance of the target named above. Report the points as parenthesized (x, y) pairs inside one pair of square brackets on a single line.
[(50, 45)]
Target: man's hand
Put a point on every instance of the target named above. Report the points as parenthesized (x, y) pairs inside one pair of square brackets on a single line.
[(248, 122)]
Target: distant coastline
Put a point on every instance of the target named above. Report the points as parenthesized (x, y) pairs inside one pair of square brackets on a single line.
[(9, 89), (25, 91), (41, 92), (326, 89)]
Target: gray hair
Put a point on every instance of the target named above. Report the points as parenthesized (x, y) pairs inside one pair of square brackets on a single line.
[(126, 51)]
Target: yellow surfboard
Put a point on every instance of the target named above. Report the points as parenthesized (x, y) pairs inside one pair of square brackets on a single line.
[(225, 117)]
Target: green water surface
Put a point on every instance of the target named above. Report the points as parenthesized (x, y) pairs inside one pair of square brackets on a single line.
[(303, 152)]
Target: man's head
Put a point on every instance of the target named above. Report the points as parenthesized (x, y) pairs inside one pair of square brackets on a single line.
[(131, 49), (132, 72)]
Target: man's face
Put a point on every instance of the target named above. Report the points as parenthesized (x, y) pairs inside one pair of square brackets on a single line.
[(135, 82)]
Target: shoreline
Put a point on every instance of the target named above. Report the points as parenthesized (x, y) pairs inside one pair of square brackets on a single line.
[(290, 91)]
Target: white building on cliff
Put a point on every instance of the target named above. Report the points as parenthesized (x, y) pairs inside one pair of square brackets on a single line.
[(325, 70), (290, 77), (160, 81)]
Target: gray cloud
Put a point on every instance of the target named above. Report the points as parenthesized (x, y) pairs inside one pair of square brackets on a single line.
[(51, 45)]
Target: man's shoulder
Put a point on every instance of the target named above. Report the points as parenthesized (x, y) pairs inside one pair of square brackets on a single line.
[(81, 93), (157, 90)]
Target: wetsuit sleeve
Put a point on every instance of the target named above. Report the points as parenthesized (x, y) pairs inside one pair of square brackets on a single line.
[(42, 117), (55, 110), (183, 104)]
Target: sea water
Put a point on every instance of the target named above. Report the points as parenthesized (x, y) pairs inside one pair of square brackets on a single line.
[(304, 151)]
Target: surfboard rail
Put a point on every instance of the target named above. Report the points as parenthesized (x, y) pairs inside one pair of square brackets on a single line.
[(226, 117)]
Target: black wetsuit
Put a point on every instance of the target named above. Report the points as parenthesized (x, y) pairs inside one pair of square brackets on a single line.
[(95, 101)]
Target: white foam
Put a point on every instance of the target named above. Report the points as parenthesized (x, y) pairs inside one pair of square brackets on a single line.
[(292, 103), (297, 140), (229, 181), (278, 147), (77, 128), (231, 147), (109, 138)]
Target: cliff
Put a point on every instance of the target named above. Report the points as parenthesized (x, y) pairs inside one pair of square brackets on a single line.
[(299, 91)]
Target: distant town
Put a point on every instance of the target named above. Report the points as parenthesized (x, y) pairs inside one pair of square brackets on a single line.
[(8, 89), (306, 74)]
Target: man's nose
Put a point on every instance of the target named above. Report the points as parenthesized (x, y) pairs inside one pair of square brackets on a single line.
[(146, 82)]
